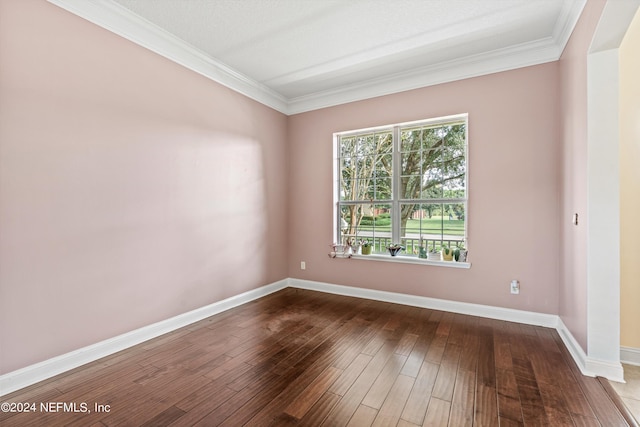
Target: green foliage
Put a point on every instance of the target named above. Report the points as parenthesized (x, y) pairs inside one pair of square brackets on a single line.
[(381, 220), (432, 166)]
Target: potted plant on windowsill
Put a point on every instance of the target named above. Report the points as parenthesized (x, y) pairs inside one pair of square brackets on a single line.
[(422, 250), (366, 247), (354, 245), (394, 249), (460, 253), (434, 255), (447, 254)]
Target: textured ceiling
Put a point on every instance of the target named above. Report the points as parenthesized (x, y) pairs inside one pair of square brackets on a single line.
[(311, 49)]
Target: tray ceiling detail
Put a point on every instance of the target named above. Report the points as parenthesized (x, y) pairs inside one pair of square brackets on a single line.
[(300, 55)]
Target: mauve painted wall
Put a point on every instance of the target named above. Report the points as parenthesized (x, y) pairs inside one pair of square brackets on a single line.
[(514, 190), (131, 189), (573, 122)]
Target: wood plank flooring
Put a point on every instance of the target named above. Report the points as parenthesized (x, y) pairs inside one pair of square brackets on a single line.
[(303, 358)]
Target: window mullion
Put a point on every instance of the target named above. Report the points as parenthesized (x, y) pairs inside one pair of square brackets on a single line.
[(350, 159), (395, 206)]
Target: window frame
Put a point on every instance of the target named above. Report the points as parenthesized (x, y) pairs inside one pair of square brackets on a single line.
[(395, 201)]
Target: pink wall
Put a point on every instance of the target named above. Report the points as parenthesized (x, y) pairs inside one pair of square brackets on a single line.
[(132, 189), (514, 190), (573, 119)]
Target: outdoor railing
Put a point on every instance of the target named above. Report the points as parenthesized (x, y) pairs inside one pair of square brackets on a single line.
[(411, 244)]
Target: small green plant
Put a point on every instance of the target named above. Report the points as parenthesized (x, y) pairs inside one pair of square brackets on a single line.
[(458, 251), (447, 254), (367, 247)]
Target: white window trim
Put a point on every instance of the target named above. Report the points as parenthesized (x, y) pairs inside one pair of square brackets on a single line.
[(412, 260), (395, 202)]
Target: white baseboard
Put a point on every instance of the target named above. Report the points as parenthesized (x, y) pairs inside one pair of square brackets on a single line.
[(630, 355), (588, 366), (29, 375), (603, 368), (575, 349), (499, 313)]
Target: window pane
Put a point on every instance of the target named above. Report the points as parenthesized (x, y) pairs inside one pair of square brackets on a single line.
[(432, 224), (422, 174), (410, 139), (421, 138), (432, 166), (350, 216), (366, 166), (382, 189), (454, 165), (411, 163), (454, 224), (433, 162), (347, 146), (370, 144), (433, 188), (347, 175), (367, 222), (384, 142), (366, 145)]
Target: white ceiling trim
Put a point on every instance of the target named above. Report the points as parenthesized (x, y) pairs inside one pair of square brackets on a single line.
[(120, 20), (566, 22), (613, 25), (473, 66)]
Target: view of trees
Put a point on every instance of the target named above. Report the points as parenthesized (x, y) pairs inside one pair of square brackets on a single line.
[(366, 163), (433, 165), (431, 176)]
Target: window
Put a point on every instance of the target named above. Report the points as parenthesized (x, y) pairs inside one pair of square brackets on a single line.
[(404, 184)]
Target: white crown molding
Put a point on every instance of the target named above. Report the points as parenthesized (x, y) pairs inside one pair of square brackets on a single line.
[(32, 374), (567, 21), (524, 55), (120, 20)]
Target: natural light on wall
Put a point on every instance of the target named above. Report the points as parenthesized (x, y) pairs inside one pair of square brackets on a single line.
[(221, 200)]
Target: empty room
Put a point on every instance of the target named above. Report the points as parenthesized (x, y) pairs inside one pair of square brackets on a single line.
[(319, 212)]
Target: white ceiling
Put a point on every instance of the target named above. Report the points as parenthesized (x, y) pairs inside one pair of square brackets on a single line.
[(298, 55)]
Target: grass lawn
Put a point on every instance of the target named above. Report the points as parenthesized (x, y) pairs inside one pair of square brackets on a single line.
[(433, 225)]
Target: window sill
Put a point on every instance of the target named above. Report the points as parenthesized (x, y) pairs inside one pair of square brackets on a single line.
[(410, 260)]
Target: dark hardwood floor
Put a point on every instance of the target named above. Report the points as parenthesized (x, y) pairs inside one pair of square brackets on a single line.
[(305, 358)]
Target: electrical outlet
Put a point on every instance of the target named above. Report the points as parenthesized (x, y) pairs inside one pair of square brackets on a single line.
[(303, 265), (515, 287)]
